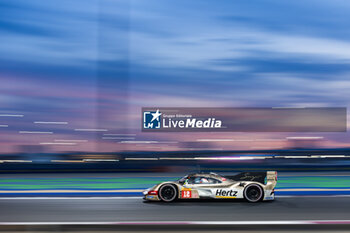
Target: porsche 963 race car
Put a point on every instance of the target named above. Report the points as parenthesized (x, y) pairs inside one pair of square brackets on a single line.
[(251, 186)]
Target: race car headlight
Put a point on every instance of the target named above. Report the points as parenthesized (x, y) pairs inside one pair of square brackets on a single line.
[(145, 192)]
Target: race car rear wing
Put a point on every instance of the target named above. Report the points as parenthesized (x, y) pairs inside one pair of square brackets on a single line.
[(261, 177)]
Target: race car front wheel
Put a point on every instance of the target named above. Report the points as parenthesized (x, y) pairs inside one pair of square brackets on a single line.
[(167, 193), (253, 193)]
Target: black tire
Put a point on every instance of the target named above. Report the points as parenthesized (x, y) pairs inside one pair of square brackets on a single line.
[(167, 193), (253, 193)]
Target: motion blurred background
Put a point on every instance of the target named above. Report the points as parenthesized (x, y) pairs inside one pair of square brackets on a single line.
[(75, 75)]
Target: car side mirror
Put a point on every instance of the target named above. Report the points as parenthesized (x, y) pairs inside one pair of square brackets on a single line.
[(241, 184)]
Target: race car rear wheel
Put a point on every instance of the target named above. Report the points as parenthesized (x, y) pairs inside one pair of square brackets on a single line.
[(253, 193), (167, 193)]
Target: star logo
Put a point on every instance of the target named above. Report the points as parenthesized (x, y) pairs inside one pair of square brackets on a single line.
[(152, 119), (156, 115)]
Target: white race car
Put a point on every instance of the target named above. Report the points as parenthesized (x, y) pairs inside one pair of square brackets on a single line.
[(251, 186)]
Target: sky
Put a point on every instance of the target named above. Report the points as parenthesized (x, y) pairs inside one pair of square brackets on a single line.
[(93, 64)]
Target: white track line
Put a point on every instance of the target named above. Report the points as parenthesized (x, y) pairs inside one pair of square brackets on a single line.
[(291, 222)]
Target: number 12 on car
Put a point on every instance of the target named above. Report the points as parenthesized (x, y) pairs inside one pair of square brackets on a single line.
[(186, 194)]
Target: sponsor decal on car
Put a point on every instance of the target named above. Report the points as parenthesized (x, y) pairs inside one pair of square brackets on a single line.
[(225, 193), (186, 193)]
